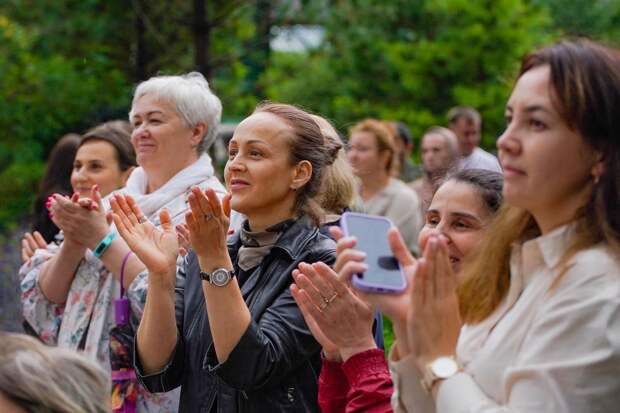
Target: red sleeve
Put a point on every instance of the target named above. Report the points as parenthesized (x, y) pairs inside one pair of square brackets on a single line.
[(370, 383), (333, 387)]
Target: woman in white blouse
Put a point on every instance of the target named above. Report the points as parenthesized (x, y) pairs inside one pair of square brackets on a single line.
[(540, 302)]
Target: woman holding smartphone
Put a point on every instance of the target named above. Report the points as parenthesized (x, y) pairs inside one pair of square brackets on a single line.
[(540, 302), (237, 341), (354, 375)]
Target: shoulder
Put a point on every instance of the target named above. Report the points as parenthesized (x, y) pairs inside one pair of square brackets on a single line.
[(401, 195), (593, 269)]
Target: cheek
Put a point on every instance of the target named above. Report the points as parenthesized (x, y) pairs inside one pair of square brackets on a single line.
[(467, 242)]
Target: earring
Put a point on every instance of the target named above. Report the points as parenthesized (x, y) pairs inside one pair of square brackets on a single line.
[(596, 178)]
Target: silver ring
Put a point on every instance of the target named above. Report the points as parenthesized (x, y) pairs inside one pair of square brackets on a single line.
[(330, 299), (142, 219), (207, 217)]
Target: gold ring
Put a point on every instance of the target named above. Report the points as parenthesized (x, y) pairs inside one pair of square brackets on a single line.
[(332, 298)]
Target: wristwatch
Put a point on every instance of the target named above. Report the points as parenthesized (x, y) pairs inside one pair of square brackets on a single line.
[(439, 369), (219, 277)]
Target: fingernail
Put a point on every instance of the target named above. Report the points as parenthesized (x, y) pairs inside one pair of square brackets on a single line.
[(96, 188)]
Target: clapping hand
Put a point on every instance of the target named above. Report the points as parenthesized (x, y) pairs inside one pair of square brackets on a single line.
[(156, 248), (30, 243), (339, 320), (208, 221), (433, 319)]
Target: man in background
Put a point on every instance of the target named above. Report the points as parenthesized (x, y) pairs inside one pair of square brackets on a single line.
[(465, 122)]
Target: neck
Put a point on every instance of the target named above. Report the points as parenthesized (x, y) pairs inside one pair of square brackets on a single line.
[(160, 174), (372, 184), (562, 213), (260, 220)]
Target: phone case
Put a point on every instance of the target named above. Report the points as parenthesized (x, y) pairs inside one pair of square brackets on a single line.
[(359, 282)]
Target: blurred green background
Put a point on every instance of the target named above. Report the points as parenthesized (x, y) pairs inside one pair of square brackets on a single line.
[(66, 65)]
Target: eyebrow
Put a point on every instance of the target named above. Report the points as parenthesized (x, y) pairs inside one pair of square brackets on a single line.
[(455, 214), (159, 112), (532, 108), (249, 142)]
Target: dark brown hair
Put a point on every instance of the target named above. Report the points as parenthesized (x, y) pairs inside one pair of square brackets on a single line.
[(488, 184), (307, 144), (118, 134), (56, 179), (585, 88)]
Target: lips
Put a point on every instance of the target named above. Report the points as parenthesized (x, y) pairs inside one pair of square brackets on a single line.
[(237, 184)]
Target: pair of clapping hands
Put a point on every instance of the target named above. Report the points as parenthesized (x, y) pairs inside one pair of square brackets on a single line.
[(82, 220), (425, 316), (205, 231)]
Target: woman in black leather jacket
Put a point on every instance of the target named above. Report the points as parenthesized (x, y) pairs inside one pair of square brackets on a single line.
[(230, 333)]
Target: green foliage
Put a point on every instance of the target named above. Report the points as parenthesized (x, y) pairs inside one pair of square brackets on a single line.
[(412, 61)]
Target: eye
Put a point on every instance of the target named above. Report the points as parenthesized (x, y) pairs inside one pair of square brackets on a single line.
[(255, 154), (460, 224), (432, 221), (508, 119), (156, 121), (136, 124), (232, 153), (537, 125)]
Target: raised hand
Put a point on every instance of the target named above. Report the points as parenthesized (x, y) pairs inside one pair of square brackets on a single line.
[(338, 319), (395, 306), (156, 248), (183, 237), (30, 243), (83, 221), (208, 222), (433, 319)]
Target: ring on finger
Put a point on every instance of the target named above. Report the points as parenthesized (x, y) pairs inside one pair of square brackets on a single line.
[(142, 219), (207, 217)]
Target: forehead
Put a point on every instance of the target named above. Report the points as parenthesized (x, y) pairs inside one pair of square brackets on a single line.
[(96, 149), (458, 197), (433, 140), (149, 103), (262, 126), (532, 88), (363, 138)]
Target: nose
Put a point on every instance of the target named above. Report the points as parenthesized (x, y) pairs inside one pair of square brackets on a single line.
[(508, 143), (441, 232), (235, 164)]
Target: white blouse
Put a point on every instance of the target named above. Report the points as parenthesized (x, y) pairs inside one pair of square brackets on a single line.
[(545, 349)]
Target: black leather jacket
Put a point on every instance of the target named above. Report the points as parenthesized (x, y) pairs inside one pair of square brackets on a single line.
[(275, 366)]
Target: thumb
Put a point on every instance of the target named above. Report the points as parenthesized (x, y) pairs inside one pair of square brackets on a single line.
[(95, 195), (109, 218), (399, 249)]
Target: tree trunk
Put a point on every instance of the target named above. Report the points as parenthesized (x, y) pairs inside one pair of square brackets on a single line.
[(202, 39)]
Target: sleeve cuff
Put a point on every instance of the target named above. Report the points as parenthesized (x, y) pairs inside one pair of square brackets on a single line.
[(366, 363), (168, 377)]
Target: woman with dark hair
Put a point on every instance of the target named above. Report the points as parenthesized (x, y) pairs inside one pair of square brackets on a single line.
[(230, 334), (540, 301), (354, 375), (56, 179)]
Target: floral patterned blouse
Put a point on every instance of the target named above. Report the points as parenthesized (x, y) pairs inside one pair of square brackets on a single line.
[(90, 298)]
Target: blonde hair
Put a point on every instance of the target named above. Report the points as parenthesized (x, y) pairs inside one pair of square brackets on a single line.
[(339, 187), (50, 379), (383, 137)]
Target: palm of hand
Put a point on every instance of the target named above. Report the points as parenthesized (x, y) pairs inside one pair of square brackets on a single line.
[(156, 248)]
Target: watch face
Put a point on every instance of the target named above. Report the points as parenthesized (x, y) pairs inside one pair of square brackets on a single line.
[(220, 277), (444, 367)]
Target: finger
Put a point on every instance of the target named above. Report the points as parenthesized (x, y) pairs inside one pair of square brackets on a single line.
[(321, 284), (417, 289), (351, 268), (135, 209), (336, 232), (214, 203), (182, 252), (194, 206), (123, 202), (226, 205), (26, 248), (190, 220), (348, 255), (30, 241), (75, 197), (429, 279), (39, 239), (442, 274), (95, 195), (305, 305), (399, 248), (306, 284), (345, 243), (331, 277), (203, 202), (166, 221), (25, 256), (121, 223)]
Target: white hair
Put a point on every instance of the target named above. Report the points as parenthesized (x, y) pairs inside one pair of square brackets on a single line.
[(51, 379), (192, 99)]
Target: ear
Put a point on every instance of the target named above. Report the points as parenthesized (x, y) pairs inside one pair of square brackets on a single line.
[(301, 174), (385, 156), (598, 169), (198, 132)]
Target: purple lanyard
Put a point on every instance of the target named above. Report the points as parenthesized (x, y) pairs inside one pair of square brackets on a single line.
[(121, 305)]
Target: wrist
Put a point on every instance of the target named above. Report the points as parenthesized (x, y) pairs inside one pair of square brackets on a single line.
[(214, 261), (162, 280), (331, 355), (348, 352)]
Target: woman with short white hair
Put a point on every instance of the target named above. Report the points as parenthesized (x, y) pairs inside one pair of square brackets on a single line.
[(70, 299)]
